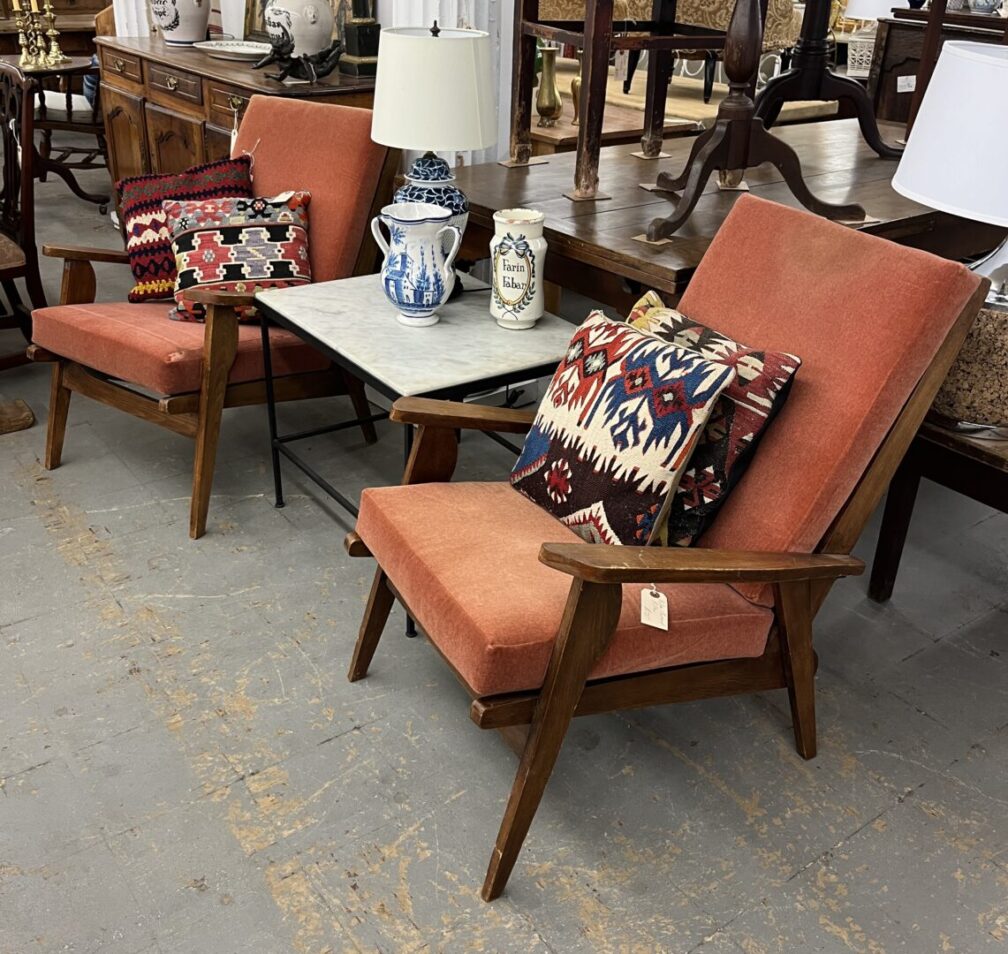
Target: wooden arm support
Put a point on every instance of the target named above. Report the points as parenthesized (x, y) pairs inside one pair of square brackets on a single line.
[(79, 253), (208, 297), (458, 416), (600, 563)]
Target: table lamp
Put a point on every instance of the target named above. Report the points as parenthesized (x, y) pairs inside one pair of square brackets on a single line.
[(861, 47), (953, 158), (434, 91)]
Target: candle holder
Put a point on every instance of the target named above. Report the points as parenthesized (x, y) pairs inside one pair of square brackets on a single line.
[(55, 56), (35, 27)]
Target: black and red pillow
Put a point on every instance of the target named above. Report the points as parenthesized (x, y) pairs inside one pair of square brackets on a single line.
[(740, 418), (148, 241)]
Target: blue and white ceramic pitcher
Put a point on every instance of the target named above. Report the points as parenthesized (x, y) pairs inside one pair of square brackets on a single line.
[(417, 275)]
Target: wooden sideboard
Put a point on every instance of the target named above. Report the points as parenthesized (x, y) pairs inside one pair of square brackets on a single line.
[(898, 47), (167, 109)]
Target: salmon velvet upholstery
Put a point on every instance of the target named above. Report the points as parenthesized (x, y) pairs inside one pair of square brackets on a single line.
[(323, 149), (464, 558), (867, 317), (138, 344)]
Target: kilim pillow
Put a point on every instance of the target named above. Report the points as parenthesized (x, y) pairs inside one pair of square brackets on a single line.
[(615, 429), (740, 418), (148, 241), (238, 245)]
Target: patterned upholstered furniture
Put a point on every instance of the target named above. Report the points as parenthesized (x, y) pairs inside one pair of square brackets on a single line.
[(121, 353), (540, 626)]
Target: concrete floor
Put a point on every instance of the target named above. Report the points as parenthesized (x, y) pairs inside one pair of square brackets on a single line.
[(184, 767)]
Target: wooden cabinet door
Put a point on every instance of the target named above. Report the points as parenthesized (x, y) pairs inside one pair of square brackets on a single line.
[(176, 142), (217, 143), (125, 133)]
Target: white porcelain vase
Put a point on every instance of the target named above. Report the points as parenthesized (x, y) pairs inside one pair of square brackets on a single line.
[(517, 256), (182, 22), (309, 23), (417, 274)]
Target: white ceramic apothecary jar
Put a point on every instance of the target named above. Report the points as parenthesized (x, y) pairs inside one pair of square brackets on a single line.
[(517, 254), (182, 22)]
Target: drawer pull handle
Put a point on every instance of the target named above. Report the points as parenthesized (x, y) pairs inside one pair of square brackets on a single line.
[(119, 63), (171, 82), (235, 102)]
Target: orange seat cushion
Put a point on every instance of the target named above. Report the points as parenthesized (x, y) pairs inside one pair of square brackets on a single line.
[(140, 345), (465, 558)]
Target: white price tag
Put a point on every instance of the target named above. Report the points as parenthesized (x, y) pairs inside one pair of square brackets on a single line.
[(906, 84), (622, 64), (654, 609)]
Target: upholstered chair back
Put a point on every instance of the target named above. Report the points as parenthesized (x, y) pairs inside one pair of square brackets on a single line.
[(866, 317), (326, 150)]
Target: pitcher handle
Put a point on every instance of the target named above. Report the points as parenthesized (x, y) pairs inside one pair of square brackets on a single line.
[(456, 242), (378, 236)]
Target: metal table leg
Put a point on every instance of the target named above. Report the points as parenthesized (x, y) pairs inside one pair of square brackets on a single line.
[(278, 500)]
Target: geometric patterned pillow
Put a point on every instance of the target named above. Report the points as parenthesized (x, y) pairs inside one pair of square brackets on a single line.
[(238, 245), (148, 241), (615, 430), (741, 417)]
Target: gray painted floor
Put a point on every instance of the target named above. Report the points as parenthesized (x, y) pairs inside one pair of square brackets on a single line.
[(184, 768)]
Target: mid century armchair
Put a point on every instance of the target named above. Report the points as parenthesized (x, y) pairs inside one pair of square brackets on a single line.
[(119, 353), (541, 626)]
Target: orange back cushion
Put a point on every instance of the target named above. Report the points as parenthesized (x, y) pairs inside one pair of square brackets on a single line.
[(867, 317), (322, 149)]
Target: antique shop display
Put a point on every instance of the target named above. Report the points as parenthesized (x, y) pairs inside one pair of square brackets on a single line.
[(738, 139), (434, 92), (417, 274), (38, 37), (948, 167), (182, 22), (810, 78), (517, 260), (361, 36), (548, 103)]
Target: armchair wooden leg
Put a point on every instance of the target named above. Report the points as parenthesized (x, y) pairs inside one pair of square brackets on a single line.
[(361, 406), (794, 605), (892, 536), (379, 605), (59, 408), (220, 341), (588, 624)]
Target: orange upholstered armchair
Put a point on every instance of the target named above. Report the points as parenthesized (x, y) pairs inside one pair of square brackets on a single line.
[(540, 626), (121, 354)]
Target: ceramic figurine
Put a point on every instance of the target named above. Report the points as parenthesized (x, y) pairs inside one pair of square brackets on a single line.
[(517, 255), (182, 22), (308, 23), (430, 180), (417, 274)]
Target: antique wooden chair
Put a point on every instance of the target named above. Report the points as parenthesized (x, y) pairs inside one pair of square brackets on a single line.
[(540, 626), (120, 353)]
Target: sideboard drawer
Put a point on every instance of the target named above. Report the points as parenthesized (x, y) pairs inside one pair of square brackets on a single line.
[(223, 101), (175, 83), (115, 63)]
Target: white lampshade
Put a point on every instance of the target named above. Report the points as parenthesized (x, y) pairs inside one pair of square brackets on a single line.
[(954, 159), (434, 92), (872, 9)]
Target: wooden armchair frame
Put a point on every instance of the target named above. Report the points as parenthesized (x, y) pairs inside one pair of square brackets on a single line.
[(196, 414), (535, 722)]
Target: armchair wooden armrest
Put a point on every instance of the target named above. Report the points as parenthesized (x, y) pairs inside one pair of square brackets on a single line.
[(81, 253), (457, 415), (208, 297), (600, 563)]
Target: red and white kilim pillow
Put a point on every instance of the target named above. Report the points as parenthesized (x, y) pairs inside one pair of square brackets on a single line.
[(238, 245)]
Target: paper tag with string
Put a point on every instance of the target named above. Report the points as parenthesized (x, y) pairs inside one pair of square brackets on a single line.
[(654, 608), (234, 128), (622, 62)]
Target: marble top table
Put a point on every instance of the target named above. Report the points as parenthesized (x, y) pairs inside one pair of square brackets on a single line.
[(465, 352)]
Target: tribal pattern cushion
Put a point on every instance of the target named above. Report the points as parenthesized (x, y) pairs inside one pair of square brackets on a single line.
[(238, 245), (615, 430), (148, 241), (740, 418)]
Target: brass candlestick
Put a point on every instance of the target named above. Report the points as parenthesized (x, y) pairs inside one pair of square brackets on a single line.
[(55, 56)]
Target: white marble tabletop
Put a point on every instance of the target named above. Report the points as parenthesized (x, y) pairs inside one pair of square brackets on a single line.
[(353, 319)]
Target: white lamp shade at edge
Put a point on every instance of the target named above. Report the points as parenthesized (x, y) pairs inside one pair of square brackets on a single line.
[(434, 93), (954, 158), (872, 9)]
